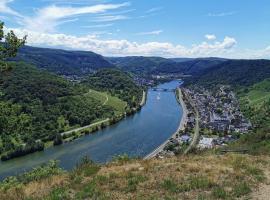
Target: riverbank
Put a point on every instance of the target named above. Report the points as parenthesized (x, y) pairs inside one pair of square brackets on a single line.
[(75, 133), (180, 127), (143, 99), (196, 135)]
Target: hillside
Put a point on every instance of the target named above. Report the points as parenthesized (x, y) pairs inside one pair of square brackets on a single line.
[(118, 84), (155, 65), (235, 72), (255, 103), (63, 62), (36, 106), (139, 64), (187, 177)]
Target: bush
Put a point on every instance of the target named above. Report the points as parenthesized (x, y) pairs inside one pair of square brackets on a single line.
[(241, 189), (219, 193)]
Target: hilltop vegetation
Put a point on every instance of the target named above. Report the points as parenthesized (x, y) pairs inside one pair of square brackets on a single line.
[(118, 84), (63, 62), (36, 106), (156, 65), (242, 73), (186, 177)]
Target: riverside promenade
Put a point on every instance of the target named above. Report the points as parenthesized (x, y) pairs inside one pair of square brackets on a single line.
[(181, 127)]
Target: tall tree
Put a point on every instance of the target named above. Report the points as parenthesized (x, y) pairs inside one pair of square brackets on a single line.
[(9, 45)]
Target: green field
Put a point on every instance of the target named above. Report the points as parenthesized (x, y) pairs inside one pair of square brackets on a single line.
[(109, 100)]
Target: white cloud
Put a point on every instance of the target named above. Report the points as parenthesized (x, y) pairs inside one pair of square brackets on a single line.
[(210, 37), (109, 18), (48, 18), (155, 9), (5, 9), (98, 26), (222, 14), (125, 47), (157, 32)]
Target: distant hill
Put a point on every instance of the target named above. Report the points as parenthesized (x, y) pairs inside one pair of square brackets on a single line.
[(152, 65), (80, 63), (63, 62), (140, 64), (235, 72)]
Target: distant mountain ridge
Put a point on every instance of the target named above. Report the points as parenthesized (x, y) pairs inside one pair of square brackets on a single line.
[(81, 63), (155, 65), (63, 62)]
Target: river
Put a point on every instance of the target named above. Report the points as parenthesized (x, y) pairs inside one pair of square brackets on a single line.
[(136, 136)]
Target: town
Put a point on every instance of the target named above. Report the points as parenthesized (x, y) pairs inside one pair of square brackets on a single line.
[(220, 120)]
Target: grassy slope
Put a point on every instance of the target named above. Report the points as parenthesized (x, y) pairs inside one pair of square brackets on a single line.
[(187, 177), (106, 99)]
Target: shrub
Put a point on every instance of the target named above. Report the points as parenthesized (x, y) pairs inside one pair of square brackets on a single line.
[(241, 189), (219, 193)]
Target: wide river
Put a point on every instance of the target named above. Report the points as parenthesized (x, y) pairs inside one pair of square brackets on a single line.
[(137, 136)]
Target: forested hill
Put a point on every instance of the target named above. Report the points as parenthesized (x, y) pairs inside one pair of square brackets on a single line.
[(235, 72), (117, 83), (63, 62), (140, 64), (155, 65), (37, 106)]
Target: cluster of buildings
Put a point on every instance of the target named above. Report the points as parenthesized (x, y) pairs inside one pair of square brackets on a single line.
[(220, 120)]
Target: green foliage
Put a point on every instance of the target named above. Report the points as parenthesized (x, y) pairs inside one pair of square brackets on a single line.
[(58, 194), (133, 180), (170, 185), (116, 83), (155, 65), (121, 159), (219, 193), (237, 73), (62, 62), (36, 174), (191, 183), (241, 189), (9, 45)]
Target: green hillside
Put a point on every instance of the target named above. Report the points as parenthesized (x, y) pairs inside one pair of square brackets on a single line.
[(36, 106), (234, 72), (116, 83), (63, 62)]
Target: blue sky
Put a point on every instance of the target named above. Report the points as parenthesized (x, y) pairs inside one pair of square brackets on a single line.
[(168, 28)]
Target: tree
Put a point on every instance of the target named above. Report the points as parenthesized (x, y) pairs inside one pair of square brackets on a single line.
[(9, 45)]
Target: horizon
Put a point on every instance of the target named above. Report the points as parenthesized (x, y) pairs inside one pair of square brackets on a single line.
[(119, 28)]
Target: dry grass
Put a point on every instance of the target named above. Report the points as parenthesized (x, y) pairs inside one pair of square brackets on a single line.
[(189, 177)]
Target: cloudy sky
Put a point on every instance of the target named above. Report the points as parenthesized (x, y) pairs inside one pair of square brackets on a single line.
[(168, 28)]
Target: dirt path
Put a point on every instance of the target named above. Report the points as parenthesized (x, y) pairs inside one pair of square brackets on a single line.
[(263, 192)]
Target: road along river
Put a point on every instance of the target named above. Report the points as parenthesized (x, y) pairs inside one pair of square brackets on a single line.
[(137, 136)]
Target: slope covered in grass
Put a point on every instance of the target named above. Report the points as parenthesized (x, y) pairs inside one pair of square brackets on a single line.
[(223, 177)]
